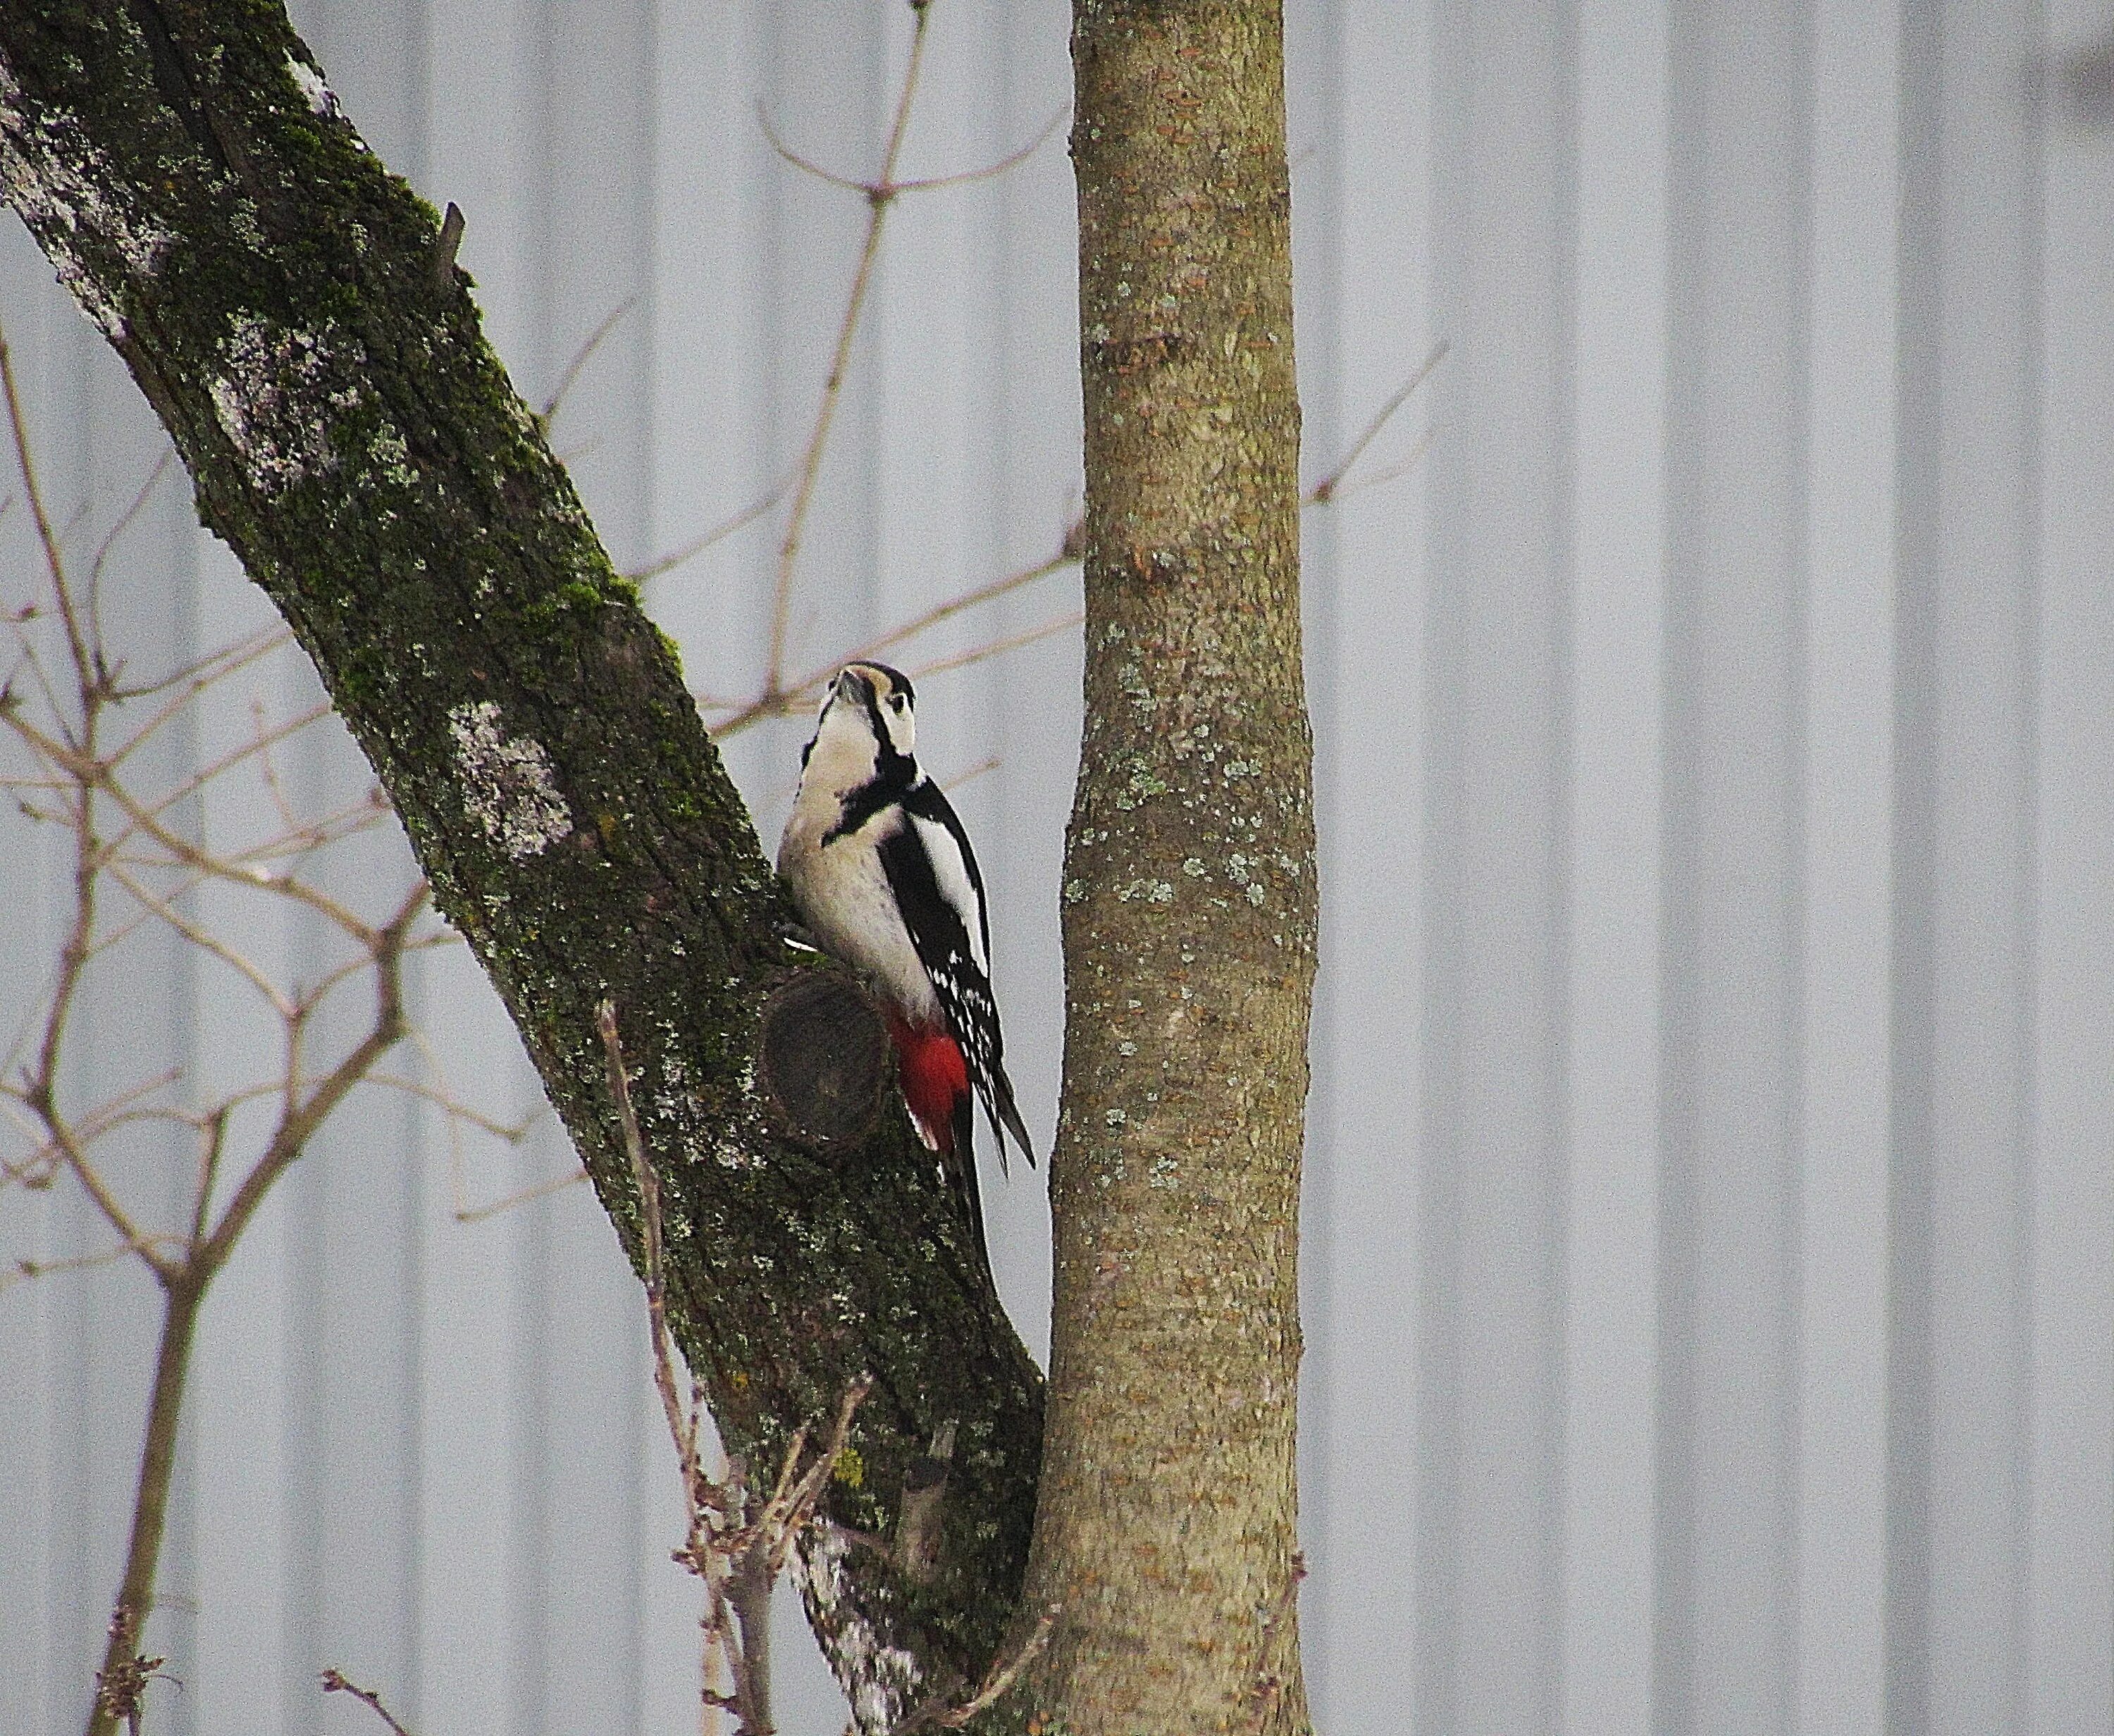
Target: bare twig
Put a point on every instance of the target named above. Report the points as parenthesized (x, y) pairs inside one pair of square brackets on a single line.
[(719, 532), (991, 171), (26, 1270), (777, 695), (818, 438), (649, 1199), (1004, 1671), (1401, 467), (307, 1112), (80, 783), (735, 1544), (465, 1213), (884, 188), (787, 1512), (989, 763), (205, 941), (806, 164), (124, 522), (202, 673), (458, 1112), (581, 357), (334, 1681), (84, 660), (998, 647), (1327, 488), (795, 695), (783, 695)]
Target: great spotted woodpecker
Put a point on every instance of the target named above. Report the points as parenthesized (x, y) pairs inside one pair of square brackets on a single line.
[(884, 877)]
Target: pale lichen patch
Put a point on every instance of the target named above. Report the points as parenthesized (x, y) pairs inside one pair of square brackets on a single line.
[(264, 399), (510, 786), (882, 1681), (64, 188), (321, 100)]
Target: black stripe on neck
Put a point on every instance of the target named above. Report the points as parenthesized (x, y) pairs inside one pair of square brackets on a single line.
[(893, 778)]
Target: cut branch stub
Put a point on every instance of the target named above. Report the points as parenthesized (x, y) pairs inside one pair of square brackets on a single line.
[(823, 1054), (917, 1525)]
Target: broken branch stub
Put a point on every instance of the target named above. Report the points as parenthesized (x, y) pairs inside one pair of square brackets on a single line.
[(823, 1059), (918, 1527)]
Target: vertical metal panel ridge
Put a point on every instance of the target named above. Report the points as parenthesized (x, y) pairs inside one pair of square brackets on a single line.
[(1920, 389), (533, 1465), (2070, 1638), (1365, 1634), (1612, 1236), (1970, 617), (1741, 235), (2015, 1381), (1439, 1384), (1849, 796), (1492, 1315)]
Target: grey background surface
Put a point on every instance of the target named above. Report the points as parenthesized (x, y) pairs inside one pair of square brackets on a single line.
[(1709, 1230)]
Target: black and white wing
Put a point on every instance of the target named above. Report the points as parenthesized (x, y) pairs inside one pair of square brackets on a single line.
[(932, 872)]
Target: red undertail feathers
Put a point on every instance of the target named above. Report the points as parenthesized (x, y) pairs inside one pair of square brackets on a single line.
[(934, 1078)]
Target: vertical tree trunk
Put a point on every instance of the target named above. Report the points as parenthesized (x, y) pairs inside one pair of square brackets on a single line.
[(1165, 1526)]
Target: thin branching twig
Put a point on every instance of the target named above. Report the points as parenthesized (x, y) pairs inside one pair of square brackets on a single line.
[(1327, 488), (335, 1682), (997, 1682), (781, 695), (729, 717), (879, 198), (137, 859), (464, 1213)]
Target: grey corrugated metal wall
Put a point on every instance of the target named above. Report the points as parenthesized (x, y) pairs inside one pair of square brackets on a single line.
[(1710, 1231)]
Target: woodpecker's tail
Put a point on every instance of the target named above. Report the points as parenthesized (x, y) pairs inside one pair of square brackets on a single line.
[(958, 1163), (1000, 1107)]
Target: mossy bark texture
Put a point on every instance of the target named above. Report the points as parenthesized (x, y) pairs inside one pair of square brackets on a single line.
[(1166, 1526), (285, 305)]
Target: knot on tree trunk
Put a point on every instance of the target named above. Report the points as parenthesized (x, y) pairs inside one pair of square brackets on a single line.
[(823, 1059)]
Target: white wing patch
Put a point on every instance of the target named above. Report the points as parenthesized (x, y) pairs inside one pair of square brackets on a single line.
[(951, 874)]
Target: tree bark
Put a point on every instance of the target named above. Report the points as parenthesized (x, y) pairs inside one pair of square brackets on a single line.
[(1166, 1531), (285, 305)]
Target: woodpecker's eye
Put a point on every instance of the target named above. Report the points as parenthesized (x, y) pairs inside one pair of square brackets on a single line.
[(898, 703)]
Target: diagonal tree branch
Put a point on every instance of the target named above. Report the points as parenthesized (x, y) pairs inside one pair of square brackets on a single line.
[(289, 310)]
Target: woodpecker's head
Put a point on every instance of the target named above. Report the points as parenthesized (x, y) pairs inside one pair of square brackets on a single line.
[(867, 729)]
